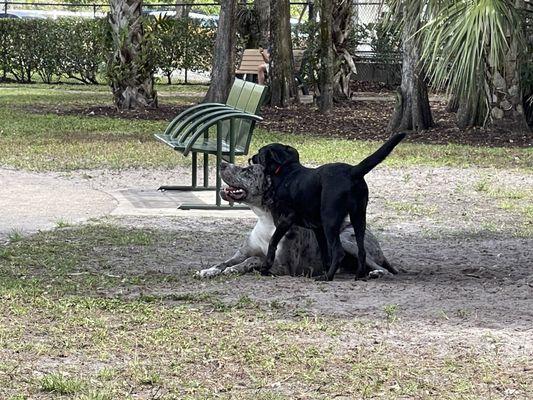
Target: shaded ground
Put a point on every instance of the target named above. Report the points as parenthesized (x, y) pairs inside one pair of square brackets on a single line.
[(463, 235), (354, 119)]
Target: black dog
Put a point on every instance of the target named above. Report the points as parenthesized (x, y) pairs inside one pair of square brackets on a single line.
[(319, 199)]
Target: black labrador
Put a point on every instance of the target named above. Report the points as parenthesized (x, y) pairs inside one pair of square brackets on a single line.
[(319, 199)]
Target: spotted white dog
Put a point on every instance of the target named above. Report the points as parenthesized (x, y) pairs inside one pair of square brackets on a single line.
[(298, 253)]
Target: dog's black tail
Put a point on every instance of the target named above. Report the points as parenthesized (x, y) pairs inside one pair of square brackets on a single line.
[(365, 166)]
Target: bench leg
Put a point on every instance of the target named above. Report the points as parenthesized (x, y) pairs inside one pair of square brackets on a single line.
[(206, 170), (194, 169), (218, 199), (194, 177)]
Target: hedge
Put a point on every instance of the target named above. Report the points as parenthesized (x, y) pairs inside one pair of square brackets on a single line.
[(79, 48)]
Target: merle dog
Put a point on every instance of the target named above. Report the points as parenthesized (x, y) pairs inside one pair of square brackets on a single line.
[(298, 253), (319, 199)]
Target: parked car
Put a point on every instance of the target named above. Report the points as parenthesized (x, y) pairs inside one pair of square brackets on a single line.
[(7, 15)]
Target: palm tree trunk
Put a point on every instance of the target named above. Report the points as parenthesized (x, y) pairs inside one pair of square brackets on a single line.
[(507, 110), (223, 69), (282, 85), (344, 65), (262, 10), (326, 56), (129, 71), (412, 111)]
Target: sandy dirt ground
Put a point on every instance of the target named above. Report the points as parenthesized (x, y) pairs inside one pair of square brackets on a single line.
[(460, 235)]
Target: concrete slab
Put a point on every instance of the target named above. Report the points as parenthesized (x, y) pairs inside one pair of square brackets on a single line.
[(150, 201)]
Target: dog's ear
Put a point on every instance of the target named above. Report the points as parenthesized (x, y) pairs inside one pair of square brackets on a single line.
[(275, 157), (293, 154)]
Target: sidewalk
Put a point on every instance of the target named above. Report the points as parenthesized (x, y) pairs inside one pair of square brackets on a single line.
[(30, 202)]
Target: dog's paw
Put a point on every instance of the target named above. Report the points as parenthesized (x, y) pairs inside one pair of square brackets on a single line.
[(208, 273), (231, 270), (377, 273), (322, 278), (265, 272)]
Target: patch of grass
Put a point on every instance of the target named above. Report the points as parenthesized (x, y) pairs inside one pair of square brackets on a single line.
[(62, 224), (48, 142), (391, 312), (171, 346), (61, 384), (15, 236), (482, 186)]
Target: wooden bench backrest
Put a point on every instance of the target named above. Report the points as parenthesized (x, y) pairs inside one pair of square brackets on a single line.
[(251, 59)]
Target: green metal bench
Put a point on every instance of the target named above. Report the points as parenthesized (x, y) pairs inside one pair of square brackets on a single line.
[(223, 130)]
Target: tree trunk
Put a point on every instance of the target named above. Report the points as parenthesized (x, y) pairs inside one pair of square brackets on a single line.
[(223, 69), (344, 64), (182, 11), (412, 111), (129, 70), (507, 110), (326, 56), (282, 85), (262, 11)]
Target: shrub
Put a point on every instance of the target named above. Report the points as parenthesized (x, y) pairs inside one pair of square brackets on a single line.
[(79, 48)]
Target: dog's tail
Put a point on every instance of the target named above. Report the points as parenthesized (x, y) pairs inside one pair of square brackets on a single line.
[(365, 166)]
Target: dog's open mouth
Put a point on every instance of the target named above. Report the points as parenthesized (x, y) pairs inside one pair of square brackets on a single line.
[(232, 194)]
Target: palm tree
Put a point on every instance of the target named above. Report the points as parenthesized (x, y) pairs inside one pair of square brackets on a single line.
[(412, 111), (130, 68), (473, 49)]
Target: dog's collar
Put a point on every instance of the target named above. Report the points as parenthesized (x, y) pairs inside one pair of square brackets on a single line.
[(278, 170)]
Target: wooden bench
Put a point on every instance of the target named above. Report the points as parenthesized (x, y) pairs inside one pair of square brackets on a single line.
[(252, 58), (223, 130)]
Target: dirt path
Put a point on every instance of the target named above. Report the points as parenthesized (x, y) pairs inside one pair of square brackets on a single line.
[(31, 201), (463, 236)]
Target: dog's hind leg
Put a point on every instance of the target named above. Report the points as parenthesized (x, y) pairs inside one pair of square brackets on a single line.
[(358, 220), (323, 246), (332, 226)]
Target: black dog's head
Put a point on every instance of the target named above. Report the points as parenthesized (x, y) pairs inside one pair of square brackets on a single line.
[(274, 156)]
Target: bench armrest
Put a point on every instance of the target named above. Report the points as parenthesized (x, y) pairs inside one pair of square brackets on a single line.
[(188, 111), (200, 131), (177, 128), (183, 135)]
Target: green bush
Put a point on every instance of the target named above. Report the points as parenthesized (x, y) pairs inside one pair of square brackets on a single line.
[(184, 44), (79, 48)]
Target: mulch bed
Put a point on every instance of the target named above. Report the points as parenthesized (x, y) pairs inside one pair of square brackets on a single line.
[(365, 120)]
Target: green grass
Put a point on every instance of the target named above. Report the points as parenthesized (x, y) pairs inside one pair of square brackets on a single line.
[(92, 344), (60, 384), (48, 142)]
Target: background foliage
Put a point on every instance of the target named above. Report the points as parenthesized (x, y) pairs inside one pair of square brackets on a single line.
[(79, 48)]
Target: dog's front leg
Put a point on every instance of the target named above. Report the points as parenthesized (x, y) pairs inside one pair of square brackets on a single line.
[(284, 224), (216, 270), (247, 265)]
